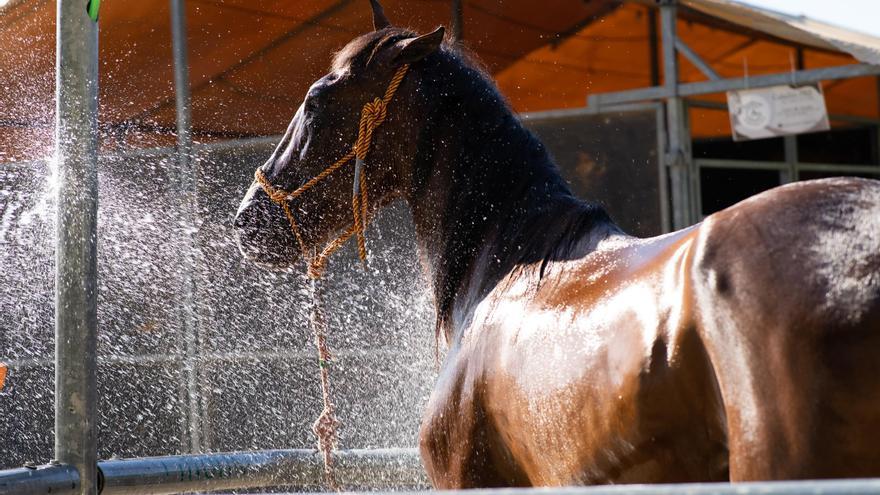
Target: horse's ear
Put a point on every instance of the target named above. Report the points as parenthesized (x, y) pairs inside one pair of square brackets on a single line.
[(414, 49), (379, 19)]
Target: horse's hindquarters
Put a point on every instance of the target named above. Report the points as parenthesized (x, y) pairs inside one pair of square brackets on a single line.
[(787, 286)]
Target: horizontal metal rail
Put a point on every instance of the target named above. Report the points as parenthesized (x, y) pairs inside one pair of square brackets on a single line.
[(52, 478), (570, 113), (298, 468), (839, 117), (781, 166), (355, 469), (818, 487), (721, 85), (383, 469)]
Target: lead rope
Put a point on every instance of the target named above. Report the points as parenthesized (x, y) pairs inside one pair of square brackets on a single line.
[(372, 115), (325, 426)]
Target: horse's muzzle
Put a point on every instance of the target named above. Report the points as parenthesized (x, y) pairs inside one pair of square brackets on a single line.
[(262, 232)]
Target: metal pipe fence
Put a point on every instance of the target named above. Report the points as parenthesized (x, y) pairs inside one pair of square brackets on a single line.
[(374, 470), (296, 468)]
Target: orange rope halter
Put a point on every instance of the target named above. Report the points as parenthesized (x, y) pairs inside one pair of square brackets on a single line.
[(372, 115)]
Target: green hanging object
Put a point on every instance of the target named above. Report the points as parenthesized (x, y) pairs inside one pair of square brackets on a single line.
[(92, 9)]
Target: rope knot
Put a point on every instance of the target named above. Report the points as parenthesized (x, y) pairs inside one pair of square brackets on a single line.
[(372, 115), (375, 112)]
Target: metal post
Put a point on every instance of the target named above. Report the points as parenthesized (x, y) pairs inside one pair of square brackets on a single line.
[(186, 189), (677, 156), (791, 158), (653, 49), (457, 21), (877, 126), (76, 319)]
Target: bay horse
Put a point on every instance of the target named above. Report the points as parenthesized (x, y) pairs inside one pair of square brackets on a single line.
[(746, 347)]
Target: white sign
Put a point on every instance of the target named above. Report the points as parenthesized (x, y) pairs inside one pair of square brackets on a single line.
[(776, 111)]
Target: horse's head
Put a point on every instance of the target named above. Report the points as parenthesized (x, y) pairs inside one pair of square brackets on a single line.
[(323, 130)]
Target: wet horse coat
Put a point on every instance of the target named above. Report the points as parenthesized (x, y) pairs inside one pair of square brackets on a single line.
[(742, 348)]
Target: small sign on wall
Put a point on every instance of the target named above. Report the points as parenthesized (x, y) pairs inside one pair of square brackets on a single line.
[(776, 111)]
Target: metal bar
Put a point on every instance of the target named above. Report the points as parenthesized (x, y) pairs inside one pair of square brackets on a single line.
[(53, 478), (677, 155), (457, 21), (838, 117), (843, 169), (708, 87), (791, 158), (76, 319), (695, 59), (791, 141), (783, 166), (568, 113), (601, 100), (740, 164), (302, 468), (877, 128), (812, 487), (663, 180), (797, 77), (653, 48), (186, 188)]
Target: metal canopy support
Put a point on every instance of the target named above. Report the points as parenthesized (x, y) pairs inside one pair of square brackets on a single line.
[(185, 183), (709, 87), (76, 318), (695, 59), (677, 156)]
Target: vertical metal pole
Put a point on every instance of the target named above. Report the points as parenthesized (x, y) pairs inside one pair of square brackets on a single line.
[(877, 127), (653, 48), (457, 21), (791, 158), (663, 181), (790, 142), (677, 154), (186, 188), (654, 76), (76, 291)]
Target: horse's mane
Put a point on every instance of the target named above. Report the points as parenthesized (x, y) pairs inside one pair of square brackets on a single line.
[(500, 167)]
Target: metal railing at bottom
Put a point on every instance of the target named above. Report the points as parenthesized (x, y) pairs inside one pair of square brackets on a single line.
[(398, 470), (297, 468)]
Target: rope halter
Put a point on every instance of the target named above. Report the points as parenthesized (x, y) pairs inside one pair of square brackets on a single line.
[(372, 115)]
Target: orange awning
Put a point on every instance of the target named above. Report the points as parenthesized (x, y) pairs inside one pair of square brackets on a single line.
[(251, 62)]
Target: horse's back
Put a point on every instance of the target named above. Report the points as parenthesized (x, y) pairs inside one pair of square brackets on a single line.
[(787, 286)]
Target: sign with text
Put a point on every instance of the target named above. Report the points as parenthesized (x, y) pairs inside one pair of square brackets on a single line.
[(776, 111)]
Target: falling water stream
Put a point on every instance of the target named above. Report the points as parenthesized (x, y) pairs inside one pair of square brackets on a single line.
[(256, 373)]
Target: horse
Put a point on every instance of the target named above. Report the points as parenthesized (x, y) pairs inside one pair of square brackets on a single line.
[(744, 347)]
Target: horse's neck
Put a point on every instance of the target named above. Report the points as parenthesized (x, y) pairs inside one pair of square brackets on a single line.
[(485, 198)]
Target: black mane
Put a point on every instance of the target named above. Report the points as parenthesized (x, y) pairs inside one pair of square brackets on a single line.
[(504, 189)]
